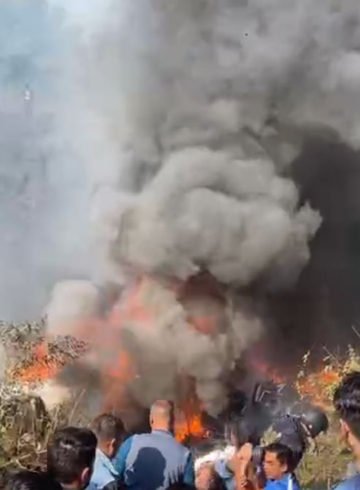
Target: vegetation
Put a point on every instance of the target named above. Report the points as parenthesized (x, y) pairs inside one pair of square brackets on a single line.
[(328, 462)]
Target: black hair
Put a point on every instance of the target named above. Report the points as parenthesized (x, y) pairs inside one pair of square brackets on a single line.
[(107, 427), (347, 401), (283, 454), (244, 430), (69, 453), (30, 480), (217, 483)]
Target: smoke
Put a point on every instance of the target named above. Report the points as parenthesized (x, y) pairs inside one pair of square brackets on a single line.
[(188, 94), (181, 120), (43, 183), (235, 217), (209, 103), (199, 109)]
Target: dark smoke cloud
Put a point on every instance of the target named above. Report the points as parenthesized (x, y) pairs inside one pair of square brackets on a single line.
[(324, 306)]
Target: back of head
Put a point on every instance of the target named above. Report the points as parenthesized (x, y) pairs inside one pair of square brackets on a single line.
[(241, 430), (347, 402), (283, 454), (162, 415), (107, 427), (71, 455), (207, 478), (30, 480)]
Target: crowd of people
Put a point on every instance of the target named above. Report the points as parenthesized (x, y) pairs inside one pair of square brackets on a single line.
[(103, 457)]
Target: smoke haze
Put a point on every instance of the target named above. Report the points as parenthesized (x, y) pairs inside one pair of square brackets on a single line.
[(163, 136), (39, 172)]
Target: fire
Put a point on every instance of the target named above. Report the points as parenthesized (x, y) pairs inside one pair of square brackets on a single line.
[(42, 366), (317, 384), (188, 420), (188, 425), (141, 307)]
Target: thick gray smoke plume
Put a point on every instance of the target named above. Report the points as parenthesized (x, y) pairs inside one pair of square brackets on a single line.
[(197, 86), (210, 102), (189, 114)]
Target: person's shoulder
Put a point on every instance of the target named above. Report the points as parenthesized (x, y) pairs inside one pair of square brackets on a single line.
[(124, 449), (168, 438), (352, 483), (100, 478), (173, 445), (288, 482), (181, 447), (129, 440)]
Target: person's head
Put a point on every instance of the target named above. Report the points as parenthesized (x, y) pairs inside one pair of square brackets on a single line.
[(162, 415), (241, 430), (109, 431), (347, 407), (30, 480), (206, 478), (70, 457), (277, 461), (313, 418)]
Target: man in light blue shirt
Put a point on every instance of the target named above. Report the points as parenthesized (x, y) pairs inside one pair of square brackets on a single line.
[(278, 468), (109, 431), (347, 407), (155, 461)]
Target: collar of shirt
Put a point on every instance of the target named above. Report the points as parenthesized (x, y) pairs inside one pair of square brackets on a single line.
[(284, 482), (105, 461), (161, 431), (284, 478)]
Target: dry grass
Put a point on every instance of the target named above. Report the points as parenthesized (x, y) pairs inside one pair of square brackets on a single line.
[(25, 425), (26, 429), (328, 463)]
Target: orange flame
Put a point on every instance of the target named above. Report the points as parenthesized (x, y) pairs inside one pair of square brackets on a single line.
[(314, 385), (43, 366), (186, 426), (105, 339), (188, 419)]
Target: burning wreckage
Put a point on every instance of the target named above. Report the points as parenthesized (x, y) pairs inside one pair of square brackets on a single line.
[(34, 361)]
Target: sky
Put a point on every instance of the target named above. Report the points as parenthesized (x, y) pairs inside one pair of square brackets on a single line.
[(83, 12)]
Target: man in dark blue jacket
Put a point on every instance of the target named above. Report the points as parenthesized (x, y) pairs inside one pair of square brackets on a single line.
[(299, 429)]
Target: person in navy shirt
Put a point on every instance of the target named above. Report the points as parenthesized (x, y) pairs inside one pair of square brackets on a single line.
[(155, 461), (278, 468), (347, 407), (110, 432)]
